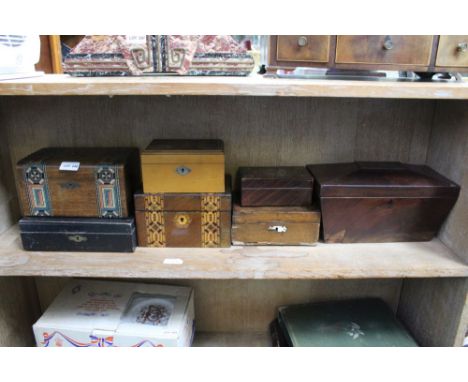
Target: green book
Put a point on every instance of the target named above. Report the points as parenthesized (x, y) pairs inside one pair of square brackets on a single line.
[(364, 322)]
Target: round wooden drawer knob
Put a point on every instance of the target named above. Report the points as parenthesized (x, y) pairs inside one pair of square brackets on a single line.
[(388, 43), (302, 41), (462, 47)]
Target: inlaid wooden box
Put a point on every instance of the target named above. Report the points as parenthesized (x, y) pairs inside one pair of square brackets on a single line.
[(183, 165), (381, 201), (78, 182), (275, 225), (275, 186), (184, 219)]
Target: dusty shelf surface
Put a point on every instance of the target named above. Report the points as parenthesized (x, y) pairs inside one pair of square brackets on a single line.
[(254, 85), (323, 261)]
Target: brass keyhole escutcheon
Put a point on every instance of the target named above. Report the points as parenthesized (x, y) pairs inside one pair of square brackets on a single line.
[(77, 238), (182, 220), (183, 170)]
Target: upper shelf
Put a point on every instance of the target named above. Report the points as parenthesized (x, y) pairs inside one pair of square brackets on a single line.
[(324, 261), (255, 85)]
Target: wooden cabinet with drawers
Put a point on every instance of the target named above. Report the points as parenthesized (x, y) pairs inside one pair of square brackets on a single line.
[(371, 52)]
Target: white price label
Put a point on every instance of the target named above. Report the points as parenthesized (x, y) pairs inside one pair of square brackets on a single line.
[(138, 39), (69, 166), (173, 261)]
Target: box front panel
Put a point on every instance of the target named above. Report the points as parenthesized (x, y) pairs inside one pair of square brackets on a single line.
[(184, 228), (89, 192), (377, 220), (398, 50), (275, 233), (183, 177)]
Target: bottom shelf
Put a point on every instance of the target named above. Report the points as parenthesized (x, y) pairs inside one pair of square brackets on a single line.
[(243, 339)]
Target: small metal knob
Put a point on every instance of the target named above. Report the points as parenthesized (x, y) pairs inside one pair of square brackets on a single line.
[(388, 43), (77, 238), (278, 228), (302, 41), (462, 47)]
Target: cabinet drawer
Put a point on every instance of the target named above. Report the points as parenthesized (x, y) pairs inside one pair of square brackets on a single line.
[(303, 48), (393, 50), (452, 51)]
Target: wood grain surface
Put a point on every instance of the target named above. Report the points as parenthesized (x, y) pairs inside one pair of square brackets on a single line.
[(19, 309), (448, 154), (275, 186), (323, 261), (248, 306), (256, 131), (435, 310), (232, 86), (405, 50), (316, 48), (450, 51)]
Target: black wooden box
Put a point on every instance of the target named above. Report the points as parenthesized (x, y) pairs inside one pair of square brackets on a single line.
[(78, 234)]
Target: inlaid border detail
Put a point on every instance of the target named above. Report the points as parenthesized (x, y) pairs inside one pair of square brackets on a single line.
[(108, 192), (35, 179), (154, 203), (210, 221)]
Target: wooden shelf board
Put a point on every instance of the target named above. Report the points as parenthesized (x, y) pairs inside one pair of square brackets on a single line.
[(254, 85), (324, 261), (242, 339)]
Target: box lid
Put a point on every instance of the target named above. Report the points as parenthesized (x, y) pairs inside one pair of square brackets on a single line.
[(86, 156), (185, 146), (243, 215), (381, 179), (180, 201), (184, 151), (363, 322), (59, 225), (275, 177), (119, 309)]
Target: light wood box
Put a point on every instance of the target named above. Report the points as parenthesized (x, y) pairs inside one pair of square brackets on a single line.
[(180, 165)]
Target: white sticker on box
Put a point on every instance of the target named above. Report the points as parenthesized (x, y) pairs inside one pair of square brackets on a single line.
[(173, 261), (136, 39), (69, 166)]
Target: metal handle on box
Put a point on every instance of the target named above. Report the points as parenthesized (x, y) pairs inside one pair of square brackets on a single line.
[(278, 228)]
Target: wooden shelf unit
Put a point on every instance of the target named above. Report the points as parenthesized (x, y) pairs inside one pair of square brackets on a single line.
[(254, 85), (275, 122)]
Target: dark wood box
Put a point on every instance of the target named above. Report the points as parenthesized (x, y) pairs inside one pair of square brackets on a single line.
[(103, 185), (275, 225), (381, 201), (78, 234), (184, 219), (275, 186)]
